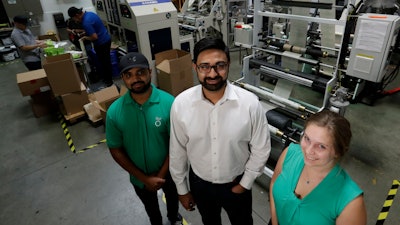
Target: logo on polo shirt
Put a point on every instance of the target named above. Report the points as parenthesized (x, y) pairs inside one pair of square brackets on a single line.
[(158, 121)]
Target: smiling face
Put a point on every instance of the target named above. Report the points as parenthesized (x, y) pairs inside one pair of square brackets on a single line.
[(137, 80), (317, 145), (212, 69)]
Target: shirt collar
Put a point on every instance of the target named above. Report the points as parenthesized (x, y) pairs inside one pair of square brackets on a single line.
[(229, 94)]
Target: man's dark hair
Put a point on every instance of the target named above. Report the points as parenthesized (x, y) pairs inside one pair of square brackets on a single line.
[(210, 43), (21, 19)]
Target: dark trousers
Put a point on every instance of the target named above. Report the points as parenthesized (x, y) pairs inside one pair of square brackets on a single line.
[(33, 65), (150, 201), (211, 198), (104, 56)]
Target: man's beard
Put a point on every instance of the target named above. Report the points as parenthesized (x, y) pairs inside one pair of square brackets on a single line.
[(141, 90), (214, 87)]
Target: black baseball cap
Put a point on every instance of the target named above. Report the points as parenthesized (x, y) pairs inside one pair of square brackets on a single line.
[(133, 60), (73, 11)]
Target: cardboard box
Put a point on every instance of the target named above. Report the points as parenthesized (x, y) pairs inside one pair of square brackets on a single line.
[(33, 82), (73, 102), (174, 71), (103, 98), (62, 74), (43, 103), (93, 113)]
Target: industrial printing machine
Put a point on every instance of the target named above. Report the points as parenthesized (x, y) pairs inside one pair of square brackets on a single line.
[(310, 48)]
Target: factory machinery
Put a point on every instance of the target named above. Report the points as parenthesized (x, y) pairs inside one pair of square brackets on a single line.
[(212, 18), (204, 18), (307, 56)]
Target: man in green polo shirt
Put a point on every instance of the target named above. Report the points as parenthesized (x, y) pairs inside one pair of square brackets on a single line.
[(137, 132)]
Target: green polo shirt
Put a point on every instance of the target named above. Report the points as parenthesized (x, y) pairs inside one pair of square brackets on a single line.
[(142, 130)]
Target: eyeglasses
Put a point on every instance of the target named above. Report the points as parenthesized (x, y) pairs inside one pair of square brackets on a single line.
[(138, 73), (218, 67)]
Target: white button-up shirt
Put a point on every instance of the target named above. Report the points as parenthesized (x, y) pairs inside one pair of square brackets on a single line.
[(221, 141)]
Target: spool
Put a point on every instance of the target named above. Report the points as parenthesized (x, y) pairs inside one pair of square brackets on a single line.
[(278, 120)]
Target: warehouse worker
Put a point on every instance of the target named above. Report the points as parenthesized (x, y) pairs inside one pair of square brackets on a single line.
[(221, 131), (28, 47), (96, 32), (137, 132)]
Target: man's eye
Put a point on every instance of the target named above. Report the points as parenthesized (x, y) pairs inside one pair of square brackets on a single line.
[(205, 67)]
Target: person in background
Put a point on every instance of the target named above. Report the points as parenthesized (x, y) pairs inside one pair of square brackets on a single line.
[(28, 47), (137, 132), (221, 131), (96, 32), (76, 32), (308, 186)]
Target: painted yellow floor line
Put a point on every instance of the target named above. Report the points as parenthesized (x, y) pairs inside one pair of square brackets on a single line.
[(165, 202)]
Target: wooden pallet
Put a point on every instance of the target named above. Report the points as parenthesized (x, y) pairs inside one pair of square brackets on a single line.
[(74, 118)]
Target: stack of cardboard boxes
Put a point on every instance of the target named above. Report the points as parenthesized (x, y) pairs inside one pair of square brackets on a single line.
[(59, 82)]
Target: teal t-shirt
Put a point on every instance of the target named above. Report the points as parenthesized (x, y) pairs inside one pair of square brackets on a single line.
[(143, 130), (322, 205)]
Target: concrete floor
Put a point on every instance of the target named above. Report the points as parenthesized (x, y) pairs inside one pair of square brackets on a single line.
[(43, 182)]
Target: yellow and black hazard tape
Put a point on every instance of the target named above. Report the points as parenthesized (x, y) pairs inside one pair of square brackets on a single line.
[(388, 202), (92, 146), (68, 137), (66, 133)]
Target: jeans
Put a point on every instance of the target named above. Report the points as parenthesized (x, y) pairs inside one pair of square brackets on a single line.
[(150, 201), (211, 198)]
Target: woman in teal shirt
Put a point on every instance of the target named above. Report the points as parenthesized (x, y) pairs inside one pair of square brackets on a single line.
[(308, 186)]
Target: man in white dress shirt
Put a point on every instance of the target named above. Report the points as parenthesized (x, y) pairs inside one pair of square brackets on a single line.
[(219, 141)]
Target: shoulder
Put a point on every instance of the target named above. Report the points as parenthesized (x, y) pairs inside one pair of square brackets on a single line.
[(243, 93), (294, 152), (188, 95), (117, 103), (349, 190), (164, 96)]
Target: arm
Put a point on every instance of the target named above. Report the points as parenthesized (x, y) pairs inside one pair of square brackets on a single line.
[(164, 169), (92, 37), (179, 161), (277, 171), (178, 165), (354, 213), (151, 183), (260, 146), (38, 44)]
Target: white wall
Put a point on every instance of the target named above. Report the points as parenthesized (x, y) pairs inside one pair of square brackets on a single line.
[(56, 6)]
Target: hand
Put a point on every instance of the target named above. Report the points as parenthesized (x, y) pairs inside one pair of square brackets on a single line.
[(238, 189), (187, 201), (41, 45), (153, 183)]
